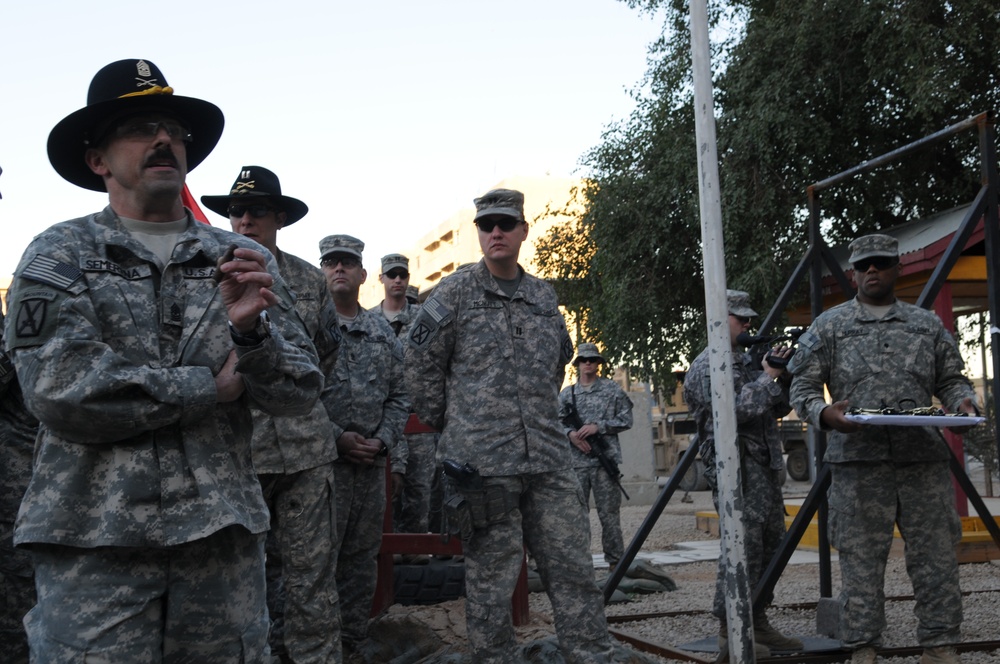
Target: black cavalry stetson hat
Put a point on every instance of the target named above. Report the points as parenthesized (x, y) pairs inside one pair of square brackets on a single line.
[(257, 182), (120, 89)]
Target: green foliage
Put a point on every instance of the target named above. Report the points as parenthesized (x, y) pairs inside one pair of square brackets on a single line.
[(804, 89)]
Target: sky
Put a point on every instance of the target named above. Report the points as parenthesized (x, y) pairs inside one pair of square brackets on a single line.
[(385, 118)]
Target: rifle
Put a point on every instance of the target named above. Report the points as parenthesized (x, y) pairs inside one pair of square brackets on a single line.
[(768, 342), (599, 448)]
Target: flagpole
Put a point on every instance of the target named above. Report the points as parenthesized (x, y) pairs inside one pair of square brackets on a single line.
[(739, 612)]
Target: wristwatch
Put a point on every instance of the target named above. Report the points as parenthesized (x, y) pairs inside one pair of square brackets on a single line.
[(260, 332)]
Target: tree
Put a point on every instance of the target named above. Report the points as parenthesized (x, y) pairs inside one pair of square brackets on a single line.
[(805, 89)]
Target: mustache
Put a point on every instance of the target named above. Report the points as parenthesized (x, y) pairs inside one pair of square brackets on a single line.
[(164, 154)]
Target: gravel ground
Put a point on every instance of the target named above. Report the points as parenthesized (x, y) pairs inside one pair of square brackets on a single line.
[(696, 583)]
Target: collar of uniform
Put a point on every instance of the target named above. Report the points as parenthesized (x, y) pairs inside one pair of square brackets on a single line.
[(525, 290), (862, 313)]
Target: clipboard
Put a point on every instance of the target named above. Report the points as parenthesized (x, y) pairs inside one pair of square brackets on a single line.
[(916, 420)]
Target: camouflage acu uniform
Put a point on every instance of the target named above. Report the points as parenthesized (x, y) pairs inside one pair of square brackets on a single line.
[(605, 404), (365, 395), (760, 400), (486, 370), (414, 456), (135, 461), (18, 428), (884, 475), (294, 459)]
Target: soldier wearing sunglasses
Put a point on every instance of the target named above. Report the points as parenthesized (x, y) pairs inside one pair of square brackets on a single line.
[(294, 456), (485, 361), (871, 351)]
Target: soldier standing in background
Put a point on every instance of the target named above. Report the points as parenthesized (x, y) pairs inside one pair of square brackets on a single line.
[(871, 352), (606, 411), (294, 456), (367, 403), (761, 398), (413, 458), (485, 360)]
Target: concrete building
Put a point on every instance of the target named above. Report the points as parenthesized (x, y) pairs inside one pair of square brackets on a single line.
[(454, 241)]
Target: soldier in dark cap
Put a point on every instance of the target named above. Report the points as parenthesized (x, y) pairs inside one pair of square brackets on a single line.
[(871, 352), (761, 398), (141, 338), (485, 361), (367, 404), (294, 456)]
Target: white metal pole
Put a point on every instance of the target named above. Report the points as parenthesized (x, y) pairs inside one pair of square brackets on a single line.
[(739, 612)]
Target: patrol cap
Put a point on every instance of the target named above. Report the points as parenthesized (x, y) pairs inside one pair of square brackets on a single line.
[(587, 350), (739, 303), (870, 246), (412, 294), (395, 260), (340, 244), (500, 202)]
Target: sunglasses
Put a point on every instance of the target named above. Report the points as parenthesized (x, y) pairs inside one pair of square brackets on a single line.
[(507, 225), (589, 360), (346, 261), (880, 263), (397, 274), (149, 130), (742, 319), (257, 210)]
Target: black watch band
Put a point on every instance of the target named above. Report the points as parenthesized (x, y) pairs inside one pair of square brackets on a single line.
[(260, 332)]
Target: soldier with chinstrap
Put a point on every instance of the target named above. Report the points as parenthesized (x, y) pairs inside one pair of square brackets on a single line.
[(141, 343), (484, 363)]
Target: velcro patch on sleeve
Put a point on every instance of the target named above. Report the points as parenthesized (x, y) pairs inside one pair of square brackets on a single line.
[(50, 271)]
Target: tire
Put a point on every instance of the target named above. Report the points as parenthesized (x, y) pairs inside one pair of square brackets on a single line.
[(798, 464), (438, 581), (694, 478)]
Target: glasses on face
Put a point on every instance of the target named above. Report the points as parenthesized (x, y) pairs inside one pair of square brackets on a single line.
[(589, 360), (256, 210), (150, 129), (880, 263), (346, 261), (507, 225), (742, 319), (397, 274)]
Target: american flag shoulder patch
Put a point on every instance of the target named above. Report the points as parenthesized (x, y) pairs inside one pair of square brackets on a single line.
[(50, 271), (437, 311)]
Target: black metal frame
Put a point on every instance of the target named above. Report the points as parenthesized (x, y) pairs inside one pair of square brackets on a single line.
[(984, 206)]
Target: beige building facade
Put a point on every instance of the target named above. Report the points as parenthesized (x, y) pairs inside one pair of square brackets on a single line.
[(455, 241)]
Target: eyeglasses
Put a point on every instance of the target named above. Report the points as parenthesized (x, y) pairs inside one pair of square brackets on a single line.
[(149, 130), (346, 261), (397, 274), (256, 210), (742, 319), (589, 360), (507, 225), (880, 263)]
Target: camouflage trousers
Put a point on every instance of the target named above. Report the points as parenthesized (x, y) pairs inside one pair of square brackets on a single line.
[(550, 510), (763, 527), (415, 502), (866, 500), (202, 601), (301, 565), (17, 596), (608, 501), (360, 514)]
